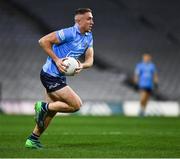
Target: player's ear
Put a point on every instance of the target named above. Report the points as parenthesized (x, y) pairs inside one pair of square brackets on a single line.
[(76, 18)]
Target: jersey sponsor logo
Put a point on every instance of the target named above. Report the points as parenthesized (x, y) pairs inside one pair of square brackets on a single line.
[(74, 54)]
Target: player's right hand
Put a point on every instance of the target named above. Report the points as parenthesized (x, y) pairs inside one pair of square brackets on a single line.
[(61, 66), (156, 86)]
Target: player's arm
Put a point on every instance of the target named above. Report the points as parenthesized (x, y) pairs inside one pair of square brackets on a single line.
[(156, 80), (136, 74), (89, 58), (46, 43), (135, 78), (88, 61)]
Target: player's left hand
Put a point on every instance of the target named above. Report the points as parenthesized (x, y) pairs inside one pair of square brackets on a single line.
[(156, 86), (79, 69)]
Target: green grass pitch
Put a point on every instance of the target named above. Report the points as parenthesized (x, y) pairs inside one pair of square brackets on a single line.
[(93, 137)]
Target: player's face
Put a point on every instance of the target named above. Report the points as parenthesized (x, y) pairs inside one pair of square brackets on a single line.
[(147, 58), (86, 22)]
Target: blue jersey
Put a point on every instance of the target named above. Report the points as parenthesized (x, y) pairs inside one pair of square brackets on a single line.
[(72, 44), (145, 73)]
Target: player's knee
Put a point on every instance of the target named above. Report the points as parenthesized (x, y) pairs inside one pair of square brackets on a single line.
[(77, 105), (143, 102)]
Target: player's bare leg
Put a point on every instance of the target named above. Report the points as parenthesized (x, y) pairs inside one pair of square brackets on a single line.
[(38, 131), (64, 100), (32, 141), (48, 119), (144, 97)]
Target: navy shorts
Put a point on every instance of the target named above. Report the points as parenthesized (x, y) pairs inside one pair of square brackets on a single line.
[(52, 83), (147, 89)]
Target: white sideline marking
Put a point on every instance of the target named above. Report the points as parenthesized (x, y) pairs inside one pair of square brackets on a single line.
[(115, 133), (104, 133)]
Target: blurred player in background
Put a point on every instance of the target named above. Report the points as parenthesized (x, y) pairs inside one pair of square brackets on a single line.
[(69, 42), (146, 78)]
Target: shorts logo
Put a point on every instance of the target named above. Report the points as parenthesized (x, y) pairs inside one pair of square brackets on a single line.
[(54, 85)]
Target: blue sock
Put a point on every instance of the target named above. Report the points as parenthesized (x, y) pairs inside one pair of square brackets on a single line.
[(33, 136)]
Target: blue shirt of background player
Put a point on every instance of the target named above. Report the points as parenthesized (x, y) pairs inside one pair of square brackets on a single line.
[(145, 72), (72, 44)]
